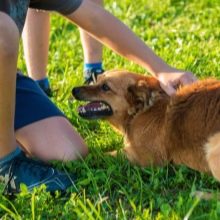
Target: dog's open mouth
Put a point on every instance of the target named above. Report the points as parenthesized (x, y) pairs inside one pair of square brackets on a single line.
[(95, 110)]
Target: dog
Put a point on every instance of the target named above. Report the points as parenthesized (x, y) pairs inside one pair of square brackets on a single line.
[(158, 129)]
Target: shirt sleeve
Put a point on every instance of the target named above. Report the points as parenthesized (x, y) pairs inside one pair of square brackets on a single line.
[(62, 6), (16, 9)]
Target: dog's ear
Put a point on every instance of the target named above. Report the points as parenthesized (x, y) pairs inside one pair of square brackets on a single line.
[(143, 95)]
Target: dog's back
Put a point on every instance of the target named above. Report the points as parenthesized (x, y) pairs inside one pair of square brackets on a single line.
[(193, 125)]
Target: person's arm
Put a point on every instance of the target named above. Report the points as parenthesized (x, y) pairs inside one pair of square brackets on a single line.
[(114, 34)]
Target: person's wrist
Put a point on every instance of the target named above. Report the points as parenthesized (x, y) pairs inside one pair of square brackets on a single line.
[(162, 69)]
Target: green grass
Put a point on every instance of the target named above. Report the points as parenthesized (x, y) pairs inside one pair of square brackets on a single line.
[(187, 35)]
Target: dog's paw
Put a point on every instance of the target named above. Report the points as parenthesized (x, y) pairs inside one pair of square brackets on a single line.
[(205, 195), (113, 153)]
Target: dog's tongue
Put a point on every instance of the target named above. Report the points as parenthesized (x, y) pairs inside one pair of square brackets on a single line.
[(95, 110)]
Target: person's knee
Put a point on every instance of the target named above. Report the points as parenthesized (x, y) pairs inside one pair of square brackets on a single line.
[(84, 150), (99, 2), (69, 150), (76, 151), (9, 38)]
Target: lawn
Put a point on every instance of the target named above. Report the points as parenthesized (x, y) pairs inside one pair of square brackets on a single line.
[(187, 35)]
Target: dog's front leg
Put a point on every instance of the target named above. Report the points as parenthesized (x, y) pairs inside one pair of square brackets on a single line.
[(141, 159), (128, 152), (113, 153)]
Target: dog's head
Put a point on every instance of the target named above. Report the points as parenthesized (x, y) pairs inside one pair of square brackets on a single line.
[(117, 94)]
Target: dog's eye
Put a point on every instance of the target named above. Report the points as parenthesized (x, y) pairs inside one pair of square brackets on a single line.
[(105, 87)]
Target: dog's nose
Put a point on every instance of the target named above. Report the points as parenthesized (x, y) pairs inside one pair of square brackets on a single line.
[(75, 91)]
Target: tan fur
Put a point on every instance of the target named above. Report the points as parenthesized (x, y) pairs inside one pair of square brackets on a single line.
[(213, 154), (183, 129)]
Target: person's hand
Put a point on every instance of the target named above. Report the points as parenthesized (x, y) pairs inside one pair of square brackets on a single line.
[(171, 79)]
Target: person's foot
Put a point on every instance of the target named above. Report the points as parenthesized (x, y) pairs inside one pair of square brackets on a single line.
[(91, 75), (32, 173)]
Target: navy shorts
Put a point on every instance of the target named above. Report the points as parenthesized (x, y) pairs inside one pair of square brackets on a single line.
[(31, 103)]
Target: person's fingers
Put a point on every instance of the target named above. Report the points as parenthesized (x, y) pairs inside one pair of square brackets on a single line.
[(185, 80), (169, 89), (171, 83), (194, 78)]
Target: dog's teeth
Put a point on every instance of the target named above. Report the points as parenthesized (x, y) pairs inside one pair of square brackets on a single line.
[(83, 110)]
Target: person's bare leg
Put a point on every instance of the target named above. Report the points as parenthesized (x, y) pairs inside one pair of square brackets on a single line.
[(15, 168), (92, 48), (36, 43), (9, 43), (52, 138)]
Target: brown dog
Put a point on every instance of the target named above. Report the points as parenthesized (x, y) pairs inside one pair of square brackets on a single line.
[(183, 129)]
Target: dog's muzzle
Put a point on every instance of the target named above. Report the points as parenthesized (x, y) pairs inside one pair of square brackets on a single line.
[(95, 110)]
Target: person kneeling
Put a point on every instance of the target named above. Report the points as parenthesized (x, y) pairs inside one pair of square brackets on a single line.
[(42, 131)]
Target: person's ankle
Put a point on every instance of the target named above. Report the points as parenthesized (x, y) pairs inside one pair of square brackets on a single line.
[(91, 71), (44, 82), (90, 66), (45, 85)]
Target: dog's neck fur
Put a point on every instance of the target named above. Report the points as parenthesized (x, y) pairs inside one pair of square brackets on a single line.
[(120, 123)]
